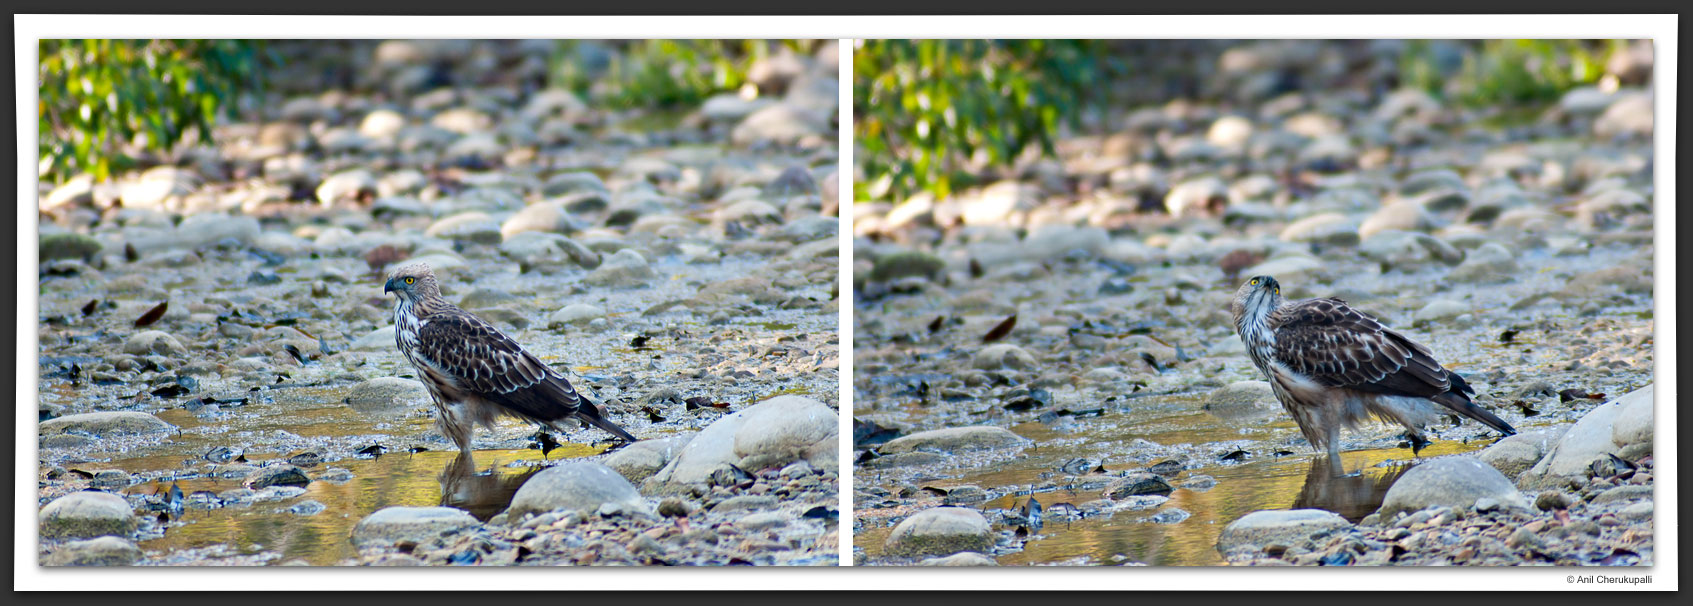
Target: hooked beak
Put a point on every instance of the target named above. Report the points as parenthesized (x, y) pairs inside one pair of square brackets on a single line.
[(388, 287)]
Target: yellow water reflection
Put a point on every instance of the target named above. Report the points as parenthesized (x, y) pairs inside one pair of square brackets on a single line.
[(1293, 482), (416, 480)]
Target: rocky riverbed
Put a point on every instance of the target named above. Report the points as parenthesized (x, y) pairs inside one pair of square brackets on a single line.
[(219, 382), (1046, 371)]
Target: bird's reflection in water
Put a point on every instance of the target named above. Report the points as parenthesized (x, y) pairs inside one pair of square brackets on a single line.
[(482, 494), (1353, 496)]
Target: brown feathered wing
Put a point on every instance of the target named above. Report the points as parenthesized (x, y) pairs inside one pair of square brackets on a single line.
[(1337, 346), (485, 362)]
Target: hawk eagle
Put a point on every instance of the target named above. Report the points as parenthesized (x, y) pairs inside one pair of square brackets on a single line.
[(474, 372), (1332, 366)]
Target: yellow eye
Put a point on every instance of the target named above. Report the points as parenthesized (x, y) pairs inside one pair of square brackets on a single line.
[(410, 280), (1254, 281)]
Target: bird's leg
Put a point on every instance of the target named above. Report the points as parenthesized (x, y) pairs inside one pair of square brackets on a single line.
[(1336, 467)]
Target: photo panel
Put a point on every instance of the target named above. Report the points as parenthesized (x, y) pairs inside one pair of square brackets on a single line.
[(1253, 302), (438, 302)]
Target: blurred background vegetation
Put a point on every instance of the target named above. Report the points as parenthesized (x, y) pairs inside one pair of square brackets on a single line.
[(940, 115), (922, 109), (101, 98), (660, 73), (104, 102), (1496, 72)]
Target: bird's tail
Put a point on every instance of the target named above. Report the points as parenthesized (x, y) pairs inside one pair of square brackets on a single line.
[(1458, 400), (590, 412)]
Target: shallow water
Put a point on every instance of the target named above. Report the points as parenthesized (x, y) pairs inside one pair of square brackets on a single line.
[(1273, 474), (277, 529)]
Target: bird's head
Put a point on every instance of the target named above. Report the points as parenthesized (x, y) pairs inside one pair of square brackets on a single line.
[(1259, 296), (412, 282)]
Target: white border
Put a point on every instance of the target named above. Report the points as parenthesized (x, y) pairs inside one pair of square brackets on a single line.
[(1662, 28)]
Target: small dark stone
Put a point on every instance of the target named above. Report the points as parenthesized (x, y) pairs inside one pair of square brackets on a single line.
[(276, 475), (263, 278), (1552, 500), (1138, 483)]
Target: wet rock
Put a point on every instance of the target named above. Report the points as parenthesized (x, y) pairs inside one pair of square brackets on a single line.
[(578, 313), (1136, 484), (87, 514), (307, 508), (1294, 527), (639, 461), (388, 396), (1003, 355), (1571, 459), (1199, 483), (963, 558), (576, 485), (110, 479), (67, 246), (106, 423), (1515, 454), (940, 531), (391, 525), (276, 475), (769, 434), (1452, 482), (955, 439), (153, 342), (102, 551), (1491, 262), (471, 226), (623, 268)]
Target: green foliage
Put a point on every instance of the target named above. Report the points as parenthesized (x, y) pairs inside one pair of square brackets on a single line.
[(925, 109), (660, 73), (100, 99), (1507, 71)]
